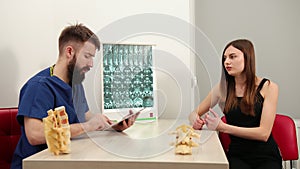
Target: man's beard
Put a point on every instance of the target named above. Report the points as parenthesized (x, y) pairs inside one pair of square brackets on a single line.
[(74, 74)]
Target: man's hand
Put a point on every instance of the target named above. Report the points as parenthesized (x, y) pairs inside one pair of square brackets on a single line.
[(126, 123), (96, 122)]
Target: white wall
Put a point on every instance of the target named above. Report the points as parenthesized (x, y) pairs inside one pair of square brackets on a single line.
[(30, 29), (273, 27)]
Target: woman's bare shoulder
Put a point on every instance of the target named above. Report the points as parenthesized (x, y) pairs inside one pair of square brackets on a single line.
[(269, 87)]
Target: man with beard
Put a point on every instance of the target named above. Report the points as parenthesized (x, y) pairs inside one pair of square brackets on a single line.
[(60, 85)]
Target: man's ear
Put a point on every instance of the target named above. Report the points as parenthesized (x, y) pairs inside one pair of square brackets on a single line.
[(70, 52)]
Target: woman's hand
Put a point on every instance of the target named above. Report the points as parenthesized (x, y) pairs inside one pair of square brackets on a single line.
[(212, 121), (198, 124)]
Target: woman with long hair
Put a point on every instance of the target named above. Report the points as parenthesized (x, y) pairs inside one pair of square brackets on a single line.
[(249, 104)]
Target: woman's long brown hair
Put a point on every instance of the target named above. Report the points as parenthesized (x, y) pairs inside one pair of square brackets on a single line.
[(248, 100)]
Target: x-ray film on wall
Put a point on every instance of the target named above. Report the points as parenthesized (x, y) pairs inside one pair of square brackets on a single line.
[(128, 81)]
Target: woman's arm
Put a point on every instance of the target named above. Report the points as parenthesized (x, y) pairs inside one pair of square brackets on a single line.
[(262, 133), (210, 101), (201, 108)]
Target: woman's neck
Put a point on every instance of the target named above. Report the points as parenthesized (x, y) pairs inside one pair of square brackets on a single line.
[(240, 80), (240, 86)]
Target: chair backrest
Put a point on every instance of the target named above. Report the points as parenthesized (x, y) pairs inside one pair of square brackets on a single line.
[(10, 132), (224, 138), (284, 133)]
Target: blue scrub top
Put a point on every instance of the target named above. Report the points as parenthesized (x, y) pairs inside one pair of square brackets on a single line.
[(41, 93)]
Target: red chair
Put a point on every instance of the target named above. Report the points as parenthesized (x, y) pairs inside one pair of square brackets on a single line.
[(284, 133), (224, 137), (10, 132)]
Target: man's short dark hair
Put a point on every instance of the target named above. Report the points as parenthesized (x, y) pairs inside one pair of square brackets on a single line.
[(77, 33)]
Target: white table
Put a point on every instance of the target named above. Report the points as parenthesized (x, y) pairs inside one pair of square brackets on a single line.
[(143, 146)]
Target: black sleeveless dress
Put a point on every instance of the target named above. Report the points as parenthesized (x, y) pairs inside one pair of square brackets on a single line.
[(253, 152)]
